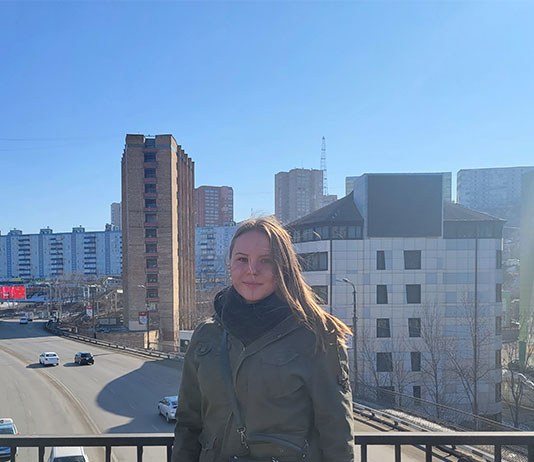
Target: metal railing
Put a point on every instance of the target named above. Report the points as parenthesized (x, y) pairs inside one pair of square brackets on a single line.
[(136, 440), (432, 443)]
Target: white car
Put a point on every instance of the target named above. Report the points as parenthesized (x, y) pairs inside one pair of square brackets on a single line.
[(49, 358), (7, 427), (167, 407), (68, 454), (23, 321)]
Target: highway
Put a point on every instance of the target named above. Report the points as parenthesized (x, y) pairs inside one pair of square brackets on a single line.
[(118, 394)]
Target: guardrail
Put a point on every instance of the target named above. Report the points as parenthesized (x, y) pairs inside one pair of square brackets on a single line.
[(436, 440), (116, 346), (430, 441)]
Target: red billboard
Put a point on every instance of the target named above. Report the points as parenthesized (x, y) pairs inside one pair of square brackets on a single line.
[(12, 292)]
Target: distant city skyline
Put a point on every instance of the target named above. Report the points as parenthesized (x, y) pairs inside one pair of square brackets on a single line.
[(393, 86)]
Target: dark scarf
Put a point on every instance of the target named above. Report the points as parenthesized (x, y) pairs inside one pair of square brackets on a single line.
[(249, 321)]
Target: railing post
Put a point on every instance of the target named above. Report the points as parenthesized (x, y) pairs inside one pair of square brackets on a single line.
[(13, 455), (41, 453), (397, 453), (530, 453), (428, 453), (139, 453), (363, 453), (497, 454), (169, 453), (108, 453)]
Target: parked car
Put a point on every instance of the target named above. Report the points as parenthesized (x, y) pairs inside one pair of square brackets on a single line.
[(23, 321), (49, 358), (167, 407), (84, 358), (68, 454), (7, 427)]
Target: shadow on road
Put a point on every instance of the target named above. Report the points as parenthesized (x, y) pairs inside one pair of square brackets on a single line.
[(11, 329), (34, 366), (136, 395)]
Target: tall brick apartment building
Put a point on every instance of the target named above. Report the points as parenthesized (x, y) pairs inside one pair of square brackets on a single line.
[(158, 240)]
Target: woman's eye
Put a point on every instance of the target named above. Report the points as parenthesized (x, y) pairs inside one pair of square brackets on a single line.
[(267, 261), (242, 259)]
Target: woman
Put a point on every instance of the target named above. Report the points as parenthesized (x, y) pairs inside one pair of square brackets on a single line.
[(266, 379)]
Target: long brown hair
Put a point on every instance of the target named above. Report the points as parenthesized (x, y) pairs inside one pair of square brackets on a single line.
[(290, 284)]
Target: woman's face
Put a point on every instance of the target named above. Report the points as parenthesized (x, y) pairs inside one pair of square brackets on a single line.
[(252, 267)]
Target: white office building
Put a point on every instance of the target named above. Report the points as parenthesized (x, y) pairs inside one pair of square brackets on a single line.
[(50, 255), (423, 270)]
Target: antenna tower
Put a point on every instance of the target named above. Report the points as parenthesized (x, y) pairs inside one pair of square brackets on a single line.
[(323, 167)]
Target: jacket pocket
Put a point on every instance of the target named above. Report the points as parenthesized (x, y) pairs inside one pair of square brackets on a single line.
[(280, 373), (207, 453)]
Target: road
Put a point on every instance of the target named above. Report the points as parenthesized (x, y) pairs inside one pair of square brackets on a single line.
[(119, 394)]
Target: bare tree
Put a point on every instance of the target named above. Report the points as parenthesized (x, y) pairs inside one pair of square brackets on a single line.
[(469, 357), (434, 360), (515, 380)]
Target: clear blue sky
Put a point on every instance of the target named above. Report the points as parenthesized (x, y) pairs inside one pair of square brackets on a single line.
[(248, 89)]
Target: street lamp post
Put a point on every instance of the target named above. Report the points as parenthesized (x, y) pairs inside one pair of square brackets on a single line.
[(147, 307), (355, 332)]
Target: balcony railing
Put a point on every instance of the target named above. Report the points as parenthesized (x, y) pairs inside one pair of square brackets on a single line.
[(458, 444)]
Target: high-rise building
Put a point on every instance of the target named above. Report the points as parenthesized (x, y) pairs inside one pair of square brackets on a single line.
[(297, 193), (496, 191), (411, 273), (158, 234), (116, 215), (214, 205), (212, 244), (49, 255)]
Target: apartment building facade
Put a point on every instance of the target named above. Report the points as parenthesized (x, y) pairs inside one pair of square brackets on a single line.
[(48, 255), (496, 191), (158, 234), (298, 193), (214, 205), (423, 270), (212, 244)]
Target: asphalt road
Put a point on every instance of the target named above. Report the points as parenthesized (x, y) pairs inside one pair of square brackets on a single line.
[(118, 394)]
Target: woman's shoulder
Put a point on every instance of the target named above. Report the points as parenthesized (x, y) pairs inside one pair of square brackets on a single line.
[(206, 330)]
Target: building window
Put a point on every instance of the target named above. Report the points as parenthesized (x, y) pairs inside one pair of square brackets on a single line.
[(413, 293), (384, 362), (150, 203), (152, 293), (498, 396), (150, 188), (151, 262), (382, 328), (322, 294), (412, 259), (381, 294), (414, 327), (150, 218), (498, 361), (498, 293), (150, 173), (416, 393), (151, 278), (151, 233), (151, 248), (498, 325), (415, 360), (316, 261), (150, 157), (380, 260), (499, 259)]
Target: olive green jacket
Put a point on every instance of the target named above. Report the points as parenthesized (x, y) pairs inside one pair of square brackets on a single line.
[(285, 389)]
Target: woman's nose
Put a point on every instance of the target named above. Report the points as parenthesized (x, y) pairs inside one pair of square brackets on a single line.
[(252, 267)]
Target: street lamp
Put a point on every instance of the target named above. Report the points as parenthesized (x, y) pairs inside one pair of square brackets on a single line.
[(147, 318), (355, 331)]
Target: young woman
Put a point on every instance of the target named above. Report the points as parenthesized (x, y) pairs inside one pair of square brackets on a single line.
[(266, 379)]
